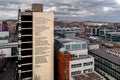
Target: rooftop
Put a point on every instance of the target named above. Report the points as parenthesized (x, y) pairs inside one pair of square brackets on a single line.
[(89, 76), (8, 45), (81, 57), (66, 27), (114, 51), (117, 50), (118, 33), (69, 40), (104, 54)]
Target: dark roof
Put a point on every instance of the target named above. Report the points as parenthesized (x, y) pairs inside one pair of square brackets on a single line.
[(88, 76), (104, 54)]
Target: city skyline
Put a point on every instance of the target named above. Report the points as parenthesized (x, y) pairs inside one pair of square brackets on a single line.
[(67, 10)]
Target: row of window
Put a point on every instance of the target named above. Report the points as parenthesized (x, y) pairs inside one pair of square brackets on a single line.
[(115, 38), (109, 71), (76, 65), (80, 64), (75, 56), (87, 70), (63, 30), (75, 46), (87, 63), (107, 66), (103, 73), (107, 63), (75, 73), (79, 72)]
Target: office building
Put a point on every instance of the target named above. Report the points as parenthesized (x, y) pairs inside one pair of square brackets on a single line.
[(4, 37), (35, 50), (74, 63), (68, 31), (99, 31), (12, 24), (103, 31), (7, 47), (95, 31), (113, 36), (107, 62)]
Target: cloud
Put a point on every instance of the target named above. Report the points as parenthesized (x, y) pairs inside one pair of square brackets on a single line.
[(106, 9), (118, 2), (80, 9), (4, 14)]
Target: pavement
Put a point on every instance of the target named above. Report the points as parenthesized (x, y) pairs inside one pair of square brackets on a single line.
[(9, 74)]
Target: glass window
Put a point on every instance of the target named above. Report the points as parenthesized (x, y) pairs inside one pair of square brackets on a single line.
[(88, 63), (76, 65), (55, 30), (76, 46), (84, 46), (75, 73), (87, 70), (68, 47)]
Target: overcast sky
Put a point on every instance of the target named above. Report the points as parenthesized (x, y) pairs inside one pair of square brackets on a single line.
[(74, 10)]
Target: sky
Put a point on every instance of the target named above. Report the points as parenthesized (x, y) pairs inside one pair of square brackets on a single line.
[(67, 10)]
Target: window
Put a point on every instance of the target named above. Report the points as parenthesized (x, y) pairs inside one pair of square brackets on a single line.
[(76, 65), (68, 47), (114, 38), (75, 73), (59, 30), (14, 51), (87, 63), (87, 70), (55, 30), (73, 56), (84, 46), (76, 46)]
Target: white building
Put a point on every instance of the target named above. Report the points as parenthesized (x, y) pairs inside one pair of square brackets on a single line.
[(82, 65), (4, 37), (79, 63), (9, 49), (68, 31)]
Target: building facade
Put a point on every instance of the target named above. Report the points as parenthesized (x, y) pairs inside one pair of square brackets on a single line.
[(107, 63), (67, 31), (113, 36), (95, 31), (73, 60), (24, 69), (30, 58), (98, 31), (103, 31)]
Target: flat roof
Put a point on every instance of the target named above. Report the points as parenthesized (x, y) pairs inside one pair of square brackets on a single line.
[(8, 45), (69, 40), (26, 13), (81, 57), (114, 33), (88, 76), (104, 54), (116, 49)]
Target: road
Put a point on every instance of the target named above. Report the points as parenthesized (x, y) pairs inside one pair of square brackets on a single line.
[(9, 74)]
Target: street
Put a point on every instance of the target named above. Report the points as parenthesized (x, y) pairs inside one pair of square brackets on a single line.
[(9, 74)]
